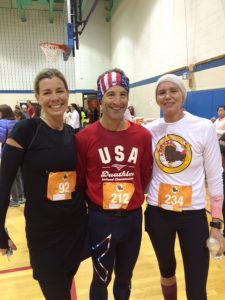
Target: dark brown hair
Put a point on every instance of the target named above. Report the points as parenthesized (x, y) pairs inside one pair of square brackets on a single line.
[(7, 112), (48, 73), (18, 114)]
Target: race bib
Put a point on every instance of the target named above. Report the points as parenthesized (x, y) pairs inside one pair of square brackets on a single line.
[(174, 197), (117, 195), (61, 185)]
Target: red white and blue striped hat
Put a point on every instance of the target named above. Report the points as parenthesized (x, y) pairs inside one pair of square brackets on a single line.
[(111, 78)]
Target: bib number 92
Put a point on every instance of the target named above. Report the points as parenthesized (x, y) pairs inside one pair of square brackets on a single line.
[(64, 187)]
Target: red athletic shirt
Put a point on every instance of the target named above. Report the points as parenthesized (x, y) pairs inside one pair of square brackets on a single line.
[(106, 157), (31, 111)]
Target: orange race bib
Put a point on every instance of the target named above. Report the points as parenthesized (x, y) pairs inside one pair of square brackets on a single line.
[(117, 195), (61, 185), (174, 197)]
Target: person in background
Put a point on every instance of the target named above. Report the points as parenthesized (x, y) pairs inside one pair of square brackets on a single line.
[(128, 115), (114, 168), (83, 117), (19, 116), (17, 108), (7, 122), (220, 130), (222, 150), (74, 119), (79, 112), (24, 111), (37, 109), (30, 109), (94, 115), (183, 159), (55, 213), (132, 111), (67, 115), (220, 121)]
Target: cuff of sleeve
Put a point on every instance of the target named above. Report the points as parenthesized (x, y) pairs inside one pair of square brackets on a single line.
[(216, 203), (3, 240)]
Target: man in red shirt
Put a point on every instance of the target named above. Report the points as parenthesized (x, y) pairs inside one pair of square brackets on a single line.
[(30, 109), (114, 168)]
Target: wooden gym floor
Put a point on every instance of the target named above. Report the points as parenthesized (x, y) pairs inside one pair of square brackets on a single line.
[(16, 281)]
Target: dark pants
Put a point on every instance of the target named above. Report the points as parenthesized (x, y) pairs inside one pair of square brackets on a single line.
[(57, 290), (192, 230), (17, 191), (115, 242)]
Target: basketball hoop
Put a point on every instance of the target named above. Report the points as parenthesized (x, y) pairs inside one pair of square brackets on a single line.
[(51, 50)]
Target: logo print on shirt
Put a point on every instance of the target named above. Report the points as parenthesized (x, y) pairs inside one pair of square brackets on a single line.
[(119, 187), (118, 166), (118, 154), (173, 154)]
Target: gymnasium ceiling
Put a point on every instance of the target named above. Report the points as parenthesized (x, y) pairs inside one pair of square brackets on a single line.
[(54, 5)]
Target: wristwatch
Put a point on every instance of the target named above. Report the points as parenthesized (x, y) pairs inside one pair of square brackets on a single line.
[(215, 224)]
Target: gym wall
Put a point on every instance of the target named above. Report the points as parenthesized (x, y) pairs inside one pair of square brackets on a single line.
[(144, 38), (150, 38), (21, 57)]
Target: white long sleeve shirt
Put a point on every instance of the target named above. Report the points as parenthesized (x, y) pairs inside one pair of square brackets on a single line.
[(185, 153), (74, 119), (220, 127)]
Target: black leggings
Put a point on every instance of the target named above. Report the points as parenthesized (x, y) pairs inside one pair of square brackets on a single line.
[(192, 230), (57, 290), (115, 247)]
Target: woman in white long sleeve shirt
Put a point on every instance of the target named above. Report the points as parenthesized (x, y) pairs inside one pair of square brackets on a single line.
[(185, 151)]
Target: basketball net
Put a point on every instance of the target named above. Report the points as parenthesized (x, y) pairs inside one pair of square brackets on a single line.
[(51, 50)]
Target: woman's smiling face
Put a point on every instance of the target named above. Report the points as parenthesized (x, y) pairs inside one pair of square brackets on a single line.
[(170, 99), (53, 96)]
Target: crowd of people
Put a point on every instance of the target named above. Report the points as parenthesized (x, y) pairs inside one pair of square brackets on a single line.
[(8, 119), (85, 186)]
